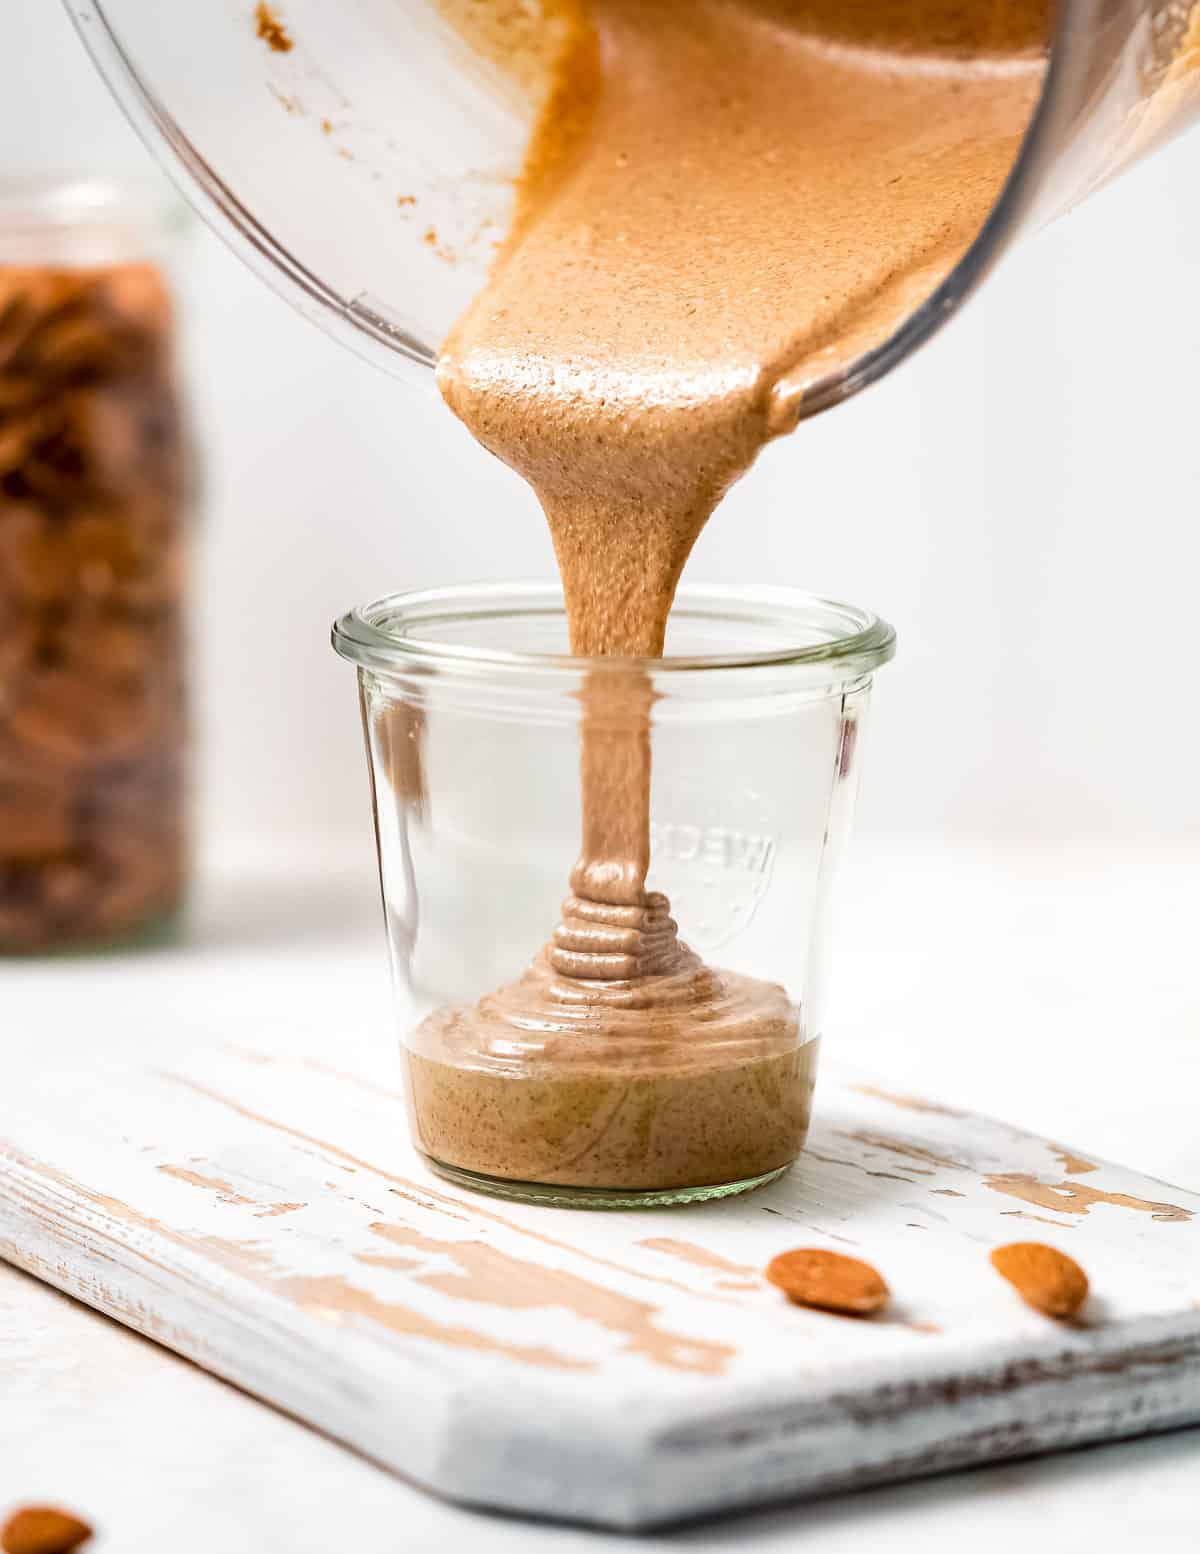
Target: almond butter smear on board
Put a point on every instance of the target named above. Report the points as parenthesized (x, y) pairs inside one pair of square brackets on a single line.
[(722, 201)]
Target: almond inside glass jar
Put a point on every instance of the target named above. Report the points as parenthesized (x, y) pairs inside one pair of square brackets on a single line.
[(92, 573)]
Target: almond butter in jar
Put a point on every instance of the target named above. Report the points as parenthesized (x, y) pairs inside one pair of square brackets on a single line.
[(94, 498)]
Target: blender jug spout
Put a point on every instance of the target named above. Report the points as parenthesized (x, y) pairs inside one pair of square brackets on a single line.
[(364, 161)]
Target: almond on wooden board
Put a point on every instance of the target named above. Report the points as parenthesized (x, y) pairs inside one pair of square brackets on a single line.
[(40, 1529), (1044, 1277), (811, 1276)]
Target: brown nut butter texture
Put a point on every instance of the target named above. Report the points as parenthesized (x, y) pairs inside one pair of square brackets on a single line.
[(830, 1281), (92, 499), (1045, 1278), (722, 202), (37, 1529), (271, 30), (654, 1115)]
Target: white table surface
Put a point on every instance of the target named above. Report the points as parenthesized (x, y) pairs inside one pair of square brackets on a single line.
[(1057, 989)]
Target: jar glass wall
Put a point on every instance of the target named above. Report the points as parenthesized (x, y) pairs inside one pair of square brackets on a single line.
[(691, 1080)]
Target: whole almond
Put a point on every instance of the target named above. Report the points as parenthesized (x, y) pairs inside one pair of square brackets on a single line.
[(40, 1529), (1047, 1279), (811, 1276)]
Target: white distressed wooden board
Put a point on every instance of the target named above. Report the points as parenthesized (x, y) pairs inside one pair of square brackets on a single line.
[(247, 1197)]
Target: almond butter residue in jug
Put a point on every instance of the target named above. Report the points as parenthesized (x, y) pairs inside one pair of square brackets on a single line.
[(723, 201)]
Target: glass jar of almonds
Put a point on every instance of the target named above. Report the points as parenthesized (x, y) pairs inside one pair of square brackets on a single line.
[(94, 498)]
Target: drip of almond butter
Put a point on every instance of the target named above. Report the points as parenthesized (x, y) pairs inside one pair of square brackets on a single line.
[(723, 201)]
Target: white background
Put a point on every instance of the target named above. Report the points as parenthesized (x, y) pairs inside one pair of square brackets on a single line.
[(1020, 500)]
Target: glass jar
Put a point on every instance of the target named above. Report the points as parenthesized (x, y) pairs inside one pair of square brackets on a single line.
[(688, 1071), (93, 510)]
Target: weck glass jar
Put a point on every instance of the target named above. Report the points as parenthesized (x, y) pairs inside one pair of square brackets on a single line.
[(590, 1052), (93, 530)]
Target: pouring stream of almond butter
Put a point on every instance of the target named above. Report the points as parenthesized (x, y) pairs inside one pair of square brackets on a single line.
[(723, 200)]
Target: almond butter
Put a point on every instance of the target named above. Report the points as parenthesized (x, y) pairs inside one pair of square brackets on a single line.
[(1045, 1278), (811, 1276), (271, 30), (40, 1529)]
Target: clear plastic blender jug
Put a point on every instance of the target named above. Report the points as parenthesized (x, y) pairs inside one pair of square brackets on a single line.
[(361, 155)]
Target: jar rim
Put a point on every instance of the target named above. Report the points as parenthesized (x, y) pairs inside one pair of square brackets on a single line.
[(385, 635), (84, 220)]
